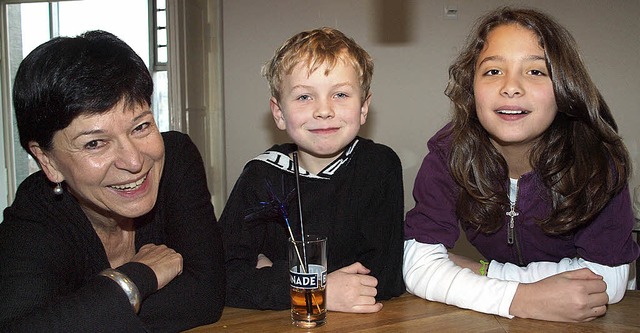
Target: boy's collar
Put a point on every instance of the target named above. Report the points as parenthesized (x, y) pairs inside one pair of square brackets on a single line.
[(284, 162)]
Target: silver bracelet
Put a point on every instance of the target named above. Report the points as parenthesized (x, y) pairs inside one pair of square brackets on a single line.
[(127, 286)]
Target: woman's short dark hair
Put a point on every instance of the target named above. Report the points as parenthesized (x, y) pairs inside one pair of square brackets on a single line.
[(71, 76)]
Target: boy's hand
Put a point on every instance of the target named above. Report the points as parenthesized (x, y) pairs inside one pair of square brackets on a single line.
[(573, 296), (350, 289), (263, 261)]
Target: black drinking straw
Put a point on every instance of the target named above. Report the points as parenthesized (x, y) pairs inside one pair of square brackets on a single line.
[(307, 294)]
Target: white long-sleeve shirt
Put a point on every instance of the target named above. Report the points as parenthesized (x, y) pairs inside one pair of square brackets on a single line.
[(430, 274)]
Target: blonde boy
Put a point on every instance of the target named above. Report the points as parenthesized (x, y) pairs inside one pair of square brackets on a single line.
[(351, 187)]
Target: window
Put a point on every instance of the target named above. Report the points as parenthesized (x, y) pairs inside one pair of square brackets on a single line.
[(29, 24)]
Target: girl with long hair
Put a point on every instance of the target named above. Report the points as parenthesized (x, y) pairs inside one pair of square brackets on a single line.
[(532, 168)]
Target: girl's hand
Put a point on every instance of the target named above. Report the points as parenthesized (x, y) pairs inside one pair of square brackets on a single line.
[(573, 296), (465, 262), (350, 289)]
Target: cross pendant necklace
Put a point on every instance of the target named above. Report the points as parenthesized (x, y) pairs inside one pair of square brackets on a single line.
[(512, 214), (512, 222)]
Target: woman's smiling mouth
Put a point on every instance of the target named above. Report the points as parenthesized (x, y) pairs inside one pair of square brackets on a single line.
[(130, 186)]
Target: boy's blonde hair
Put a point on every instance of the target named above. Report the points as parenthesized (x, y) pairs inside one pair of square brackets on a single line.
[(316, 48)]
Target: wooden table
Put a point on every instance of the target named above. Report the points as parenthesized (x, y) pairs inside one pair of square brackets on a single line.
[(409, 313)]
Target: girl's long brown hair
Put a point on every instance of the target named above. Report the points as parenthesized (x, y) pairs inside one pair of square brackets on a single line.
[(580, 158)]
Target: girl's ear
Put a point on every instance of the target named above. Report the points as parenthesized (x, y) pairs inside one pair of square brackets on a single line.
[(46, 163), (278, 115)]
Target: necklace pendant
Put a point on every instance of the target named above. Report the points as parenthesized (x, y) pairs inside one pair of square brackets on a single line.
[(512, 224)]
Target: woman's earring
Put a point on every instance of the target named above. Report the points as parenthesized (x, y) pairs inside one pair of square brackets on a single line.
[(58, 189)]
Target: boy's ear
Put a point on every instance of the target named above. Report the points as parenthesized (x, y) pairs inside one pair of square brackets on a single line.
[(364, 109), (46, 164), (278, 115)]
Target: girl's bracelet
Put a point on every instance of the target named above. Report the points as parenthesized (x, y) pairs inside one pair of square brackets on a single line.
[(484, 269)]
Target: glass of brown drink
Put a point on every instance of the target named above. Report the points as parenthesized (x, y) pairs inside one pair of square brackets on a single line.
[(308, 277)]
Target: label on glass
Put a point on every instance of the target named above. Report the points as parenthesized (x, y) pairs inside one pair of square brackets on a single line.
[(314, 279)]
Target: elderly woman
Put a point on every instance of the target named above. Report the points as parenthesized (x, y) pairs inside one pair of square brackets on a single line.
[(117, 231)]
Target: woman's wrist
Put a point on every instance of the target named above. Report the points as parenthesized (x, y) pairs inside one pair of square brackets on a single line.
[(129, 288)]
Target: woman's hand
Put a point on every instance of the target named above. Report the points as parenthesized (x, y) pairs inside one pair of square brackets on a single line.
[(165, 262), (572, 296), (350, 289)]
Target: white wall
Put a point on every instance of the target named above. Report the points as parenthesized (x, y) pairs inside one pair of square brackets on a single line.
[(410, 75)]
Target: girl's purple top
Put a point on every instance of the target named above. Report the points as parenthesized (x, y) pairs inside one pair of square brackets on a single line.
[(607, 240)]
